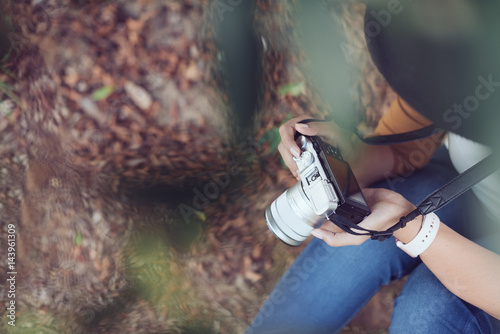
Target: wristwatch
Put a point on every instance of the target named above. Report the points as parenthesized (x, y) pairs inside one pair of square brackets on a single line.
[(424, 238)]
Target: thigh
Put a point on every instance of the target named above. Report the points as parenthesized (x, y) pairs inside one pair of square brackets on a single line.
[(426, 306), (325, 287)]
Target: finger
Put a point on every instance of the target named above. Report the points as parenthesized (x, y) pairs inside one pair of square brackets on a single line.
[(338, 239), (287, 132), (288, 160), (325, 235), (324, 129), (346, 239)]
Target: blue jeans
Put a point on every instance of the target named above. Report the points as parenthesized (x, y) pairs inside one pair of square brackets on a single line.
[(325, 287)]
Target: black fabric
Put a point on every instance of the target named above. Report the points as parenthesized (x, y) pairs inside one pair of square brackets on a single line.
[(442, 58)]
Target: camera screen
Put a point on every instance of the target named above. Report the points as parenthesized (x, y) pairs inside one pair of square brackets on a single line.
[(345, 179)]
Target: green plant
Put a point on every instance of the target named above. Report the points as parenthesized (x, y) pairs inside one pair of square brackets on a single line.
[(7, 89)]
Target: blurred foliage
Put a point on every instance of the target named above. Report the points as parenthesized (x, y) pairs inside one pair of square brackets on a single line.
[(157, 276), (38, 322), (102, 93), (319, 37), (293, 89), (77, 239), (153, 271), (273, 136), (6, 75), (183, 235), (197, 327), (5, 88)]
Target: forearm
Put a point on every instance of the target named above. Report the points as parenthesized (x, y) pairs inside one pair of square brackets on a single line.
[(468, 270)]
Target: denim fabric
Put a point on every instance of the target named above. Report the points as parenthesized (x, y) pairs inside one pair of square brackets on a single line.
[(426, 306), (325, 287)]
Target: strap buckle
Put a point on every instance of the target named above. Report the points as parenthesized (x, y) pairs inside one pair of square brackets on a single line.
[(381, 235)]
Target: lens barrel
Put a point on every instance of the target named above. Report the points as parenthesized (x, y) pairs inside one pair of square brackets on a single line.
[(291, 218)]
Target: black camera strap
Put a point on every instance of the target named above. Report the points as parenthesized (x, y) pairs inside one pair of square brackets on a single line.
[(397, 138), (436, 200)]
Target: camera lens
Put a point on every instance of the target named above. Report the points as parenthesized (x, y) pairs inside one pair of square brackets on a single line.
[(274, 227), (291, 218)]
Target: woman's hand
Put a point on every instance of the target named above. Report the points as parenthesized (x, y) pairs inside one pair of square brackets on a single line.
[(289, 149), (387, 208)]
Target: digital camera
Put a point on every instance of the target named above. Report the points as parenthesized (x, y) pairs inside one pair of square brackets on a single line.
[(327, 187)]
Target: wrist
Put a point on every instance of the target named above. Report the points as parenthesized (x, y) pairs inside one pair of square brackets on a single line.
[(410, 231), (424, 238)]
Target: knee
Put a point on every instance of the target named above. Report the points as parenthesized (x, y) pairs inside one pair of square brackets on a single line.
[(423, 303), (427, 306), (421, 311)]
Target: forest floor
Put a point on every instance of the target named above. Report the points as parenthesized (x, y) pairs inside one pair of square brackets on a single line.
[(109, 236)]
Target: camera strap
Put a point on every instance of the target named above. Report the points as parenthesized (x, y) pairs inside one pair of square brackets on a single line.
[(397, 138), (436, 200)]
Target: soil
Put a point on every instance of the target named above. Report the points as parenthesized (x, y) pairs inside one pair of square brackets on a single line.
[(138, 207)]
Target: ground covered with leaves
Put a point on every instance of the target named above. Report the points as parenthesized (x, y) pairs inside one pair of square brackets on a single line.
[(137, 208)]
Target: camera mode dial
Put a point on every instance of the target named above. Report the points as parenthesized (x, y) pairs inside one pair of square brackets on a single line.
[(304, 161)]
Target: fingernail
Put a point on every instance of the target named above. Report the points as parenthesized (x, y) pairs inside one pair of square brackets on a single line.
[(295, 152), (317, 234), (302, 125)]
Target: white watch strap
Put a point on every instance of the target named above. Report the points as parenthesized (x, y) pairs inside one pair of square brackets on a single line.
[(424, 238)]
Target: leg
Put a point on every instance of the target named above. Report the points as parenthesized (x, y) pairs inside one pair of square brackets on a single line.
[(325, 287), (427, 306)]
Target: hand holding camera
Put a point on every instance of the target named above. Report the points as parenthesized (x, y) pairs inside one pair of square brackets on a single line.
[(387, 207), (289, 149), (327, 187)]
